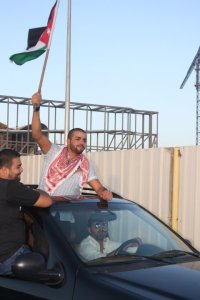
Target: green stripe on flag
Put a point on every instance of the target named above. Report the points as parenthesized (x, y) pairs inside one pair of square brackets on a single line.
[(21, 58)]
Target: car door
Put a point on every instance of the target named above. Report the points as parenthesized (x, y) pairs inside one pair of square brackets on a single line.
[(12, 289), (47, 239)]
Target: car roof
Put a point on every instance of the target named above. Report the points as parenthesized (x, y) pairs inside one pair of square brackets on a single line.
[(89, 198)]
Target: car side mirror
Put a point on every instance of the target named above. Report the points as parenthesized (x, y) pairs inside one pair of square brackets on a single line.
[(32, 266)]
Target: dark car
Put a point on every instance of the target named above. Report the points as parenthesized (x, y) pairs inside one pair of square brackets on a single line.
[(143, 258)]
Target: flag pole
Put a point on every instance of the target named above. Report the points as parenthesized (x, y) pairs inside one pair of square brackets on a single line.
[(68, 68), (48, 48), (43, 70)]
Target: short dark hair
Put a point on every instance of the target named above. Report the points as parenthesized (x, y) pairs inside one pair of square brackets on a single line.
[(71, 132), (6, 157)]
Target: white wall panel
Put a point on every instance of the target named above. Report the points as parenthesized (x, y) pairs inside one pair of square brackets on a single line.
[(139, 175), (32, 168), (189, 195)]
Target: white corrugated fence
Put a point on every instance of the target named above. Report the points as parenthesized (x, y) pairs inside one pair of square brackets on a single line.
[(146, 177)]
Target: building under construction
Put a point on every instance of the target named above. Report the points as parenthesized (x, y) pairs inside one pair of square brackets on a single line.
[(108, 127)]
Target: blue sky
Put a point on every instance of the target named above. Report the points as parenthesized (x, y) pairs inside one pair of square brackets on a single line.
[(132, 53)]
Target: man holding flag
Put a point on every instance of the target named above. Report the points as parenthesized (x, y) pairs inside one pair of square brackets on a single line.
[(65, 169)]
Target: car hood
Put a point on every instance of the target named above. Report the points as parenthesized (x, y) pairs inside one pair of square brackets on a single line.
[(175, 281)]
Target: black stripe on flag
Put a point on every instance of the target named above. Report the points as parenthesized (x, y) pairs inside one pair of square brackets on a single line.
[(34, 35)]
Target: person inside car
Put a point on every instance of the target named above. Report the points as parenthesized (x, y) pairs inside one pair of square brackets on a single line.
[(97, 243), (14, 194), (65, 169)]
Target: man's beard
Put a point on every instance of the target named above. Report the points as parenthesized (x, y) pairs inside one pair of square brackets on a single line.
[(76, 150), (16, 177), (101, 236)]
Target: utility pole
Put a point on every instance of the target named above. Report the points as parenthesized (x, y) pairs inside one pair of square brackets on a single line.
[(195, 65)]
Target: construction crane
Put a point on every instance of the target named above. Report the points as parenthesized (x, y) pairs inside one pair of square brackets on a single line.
[(195, 65)]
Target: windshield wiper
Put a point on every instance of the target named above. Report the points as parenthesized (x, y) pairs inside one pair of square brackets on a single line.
[(176, 253), (127, 257)]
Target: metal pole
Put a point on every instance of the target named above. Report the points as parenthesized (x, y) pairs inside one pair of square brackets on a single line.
[(197, 85), (68, 67), (176, 187)]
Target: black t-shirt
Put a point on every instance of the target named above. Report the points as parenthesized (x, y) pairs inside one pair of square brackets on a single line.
[(13, 194)]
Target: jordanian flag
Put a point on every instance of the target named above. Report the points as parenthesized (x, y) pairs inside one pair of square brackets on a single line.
[(38, 39)]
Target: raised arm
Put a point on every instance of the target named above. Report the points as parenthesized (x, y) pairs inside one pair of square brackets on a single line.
[(101, 191), (41, 139)]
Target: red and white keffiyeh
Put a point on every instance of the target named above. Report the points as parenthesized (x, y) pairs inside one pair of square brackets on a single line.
[(61, 169)]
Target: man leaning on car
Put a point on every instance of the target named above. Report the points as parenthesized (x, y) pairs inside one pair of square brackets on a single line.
[(13, 195)]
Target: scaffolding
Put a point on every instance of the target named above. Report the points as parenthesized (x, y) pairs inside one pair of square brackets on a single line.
[(195, 65), (108, 127)]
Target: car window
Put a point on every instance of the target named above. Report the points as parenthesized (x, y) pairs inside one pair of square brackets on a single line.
[(35, 234), (96, 232)]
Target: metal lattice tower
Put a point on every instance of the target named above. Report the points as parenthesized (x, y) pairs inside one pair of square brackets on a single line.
[(195, 65)]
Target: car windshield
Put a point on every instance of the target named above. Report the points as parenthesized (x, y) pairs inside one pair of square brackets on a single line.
[(116, 230)]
